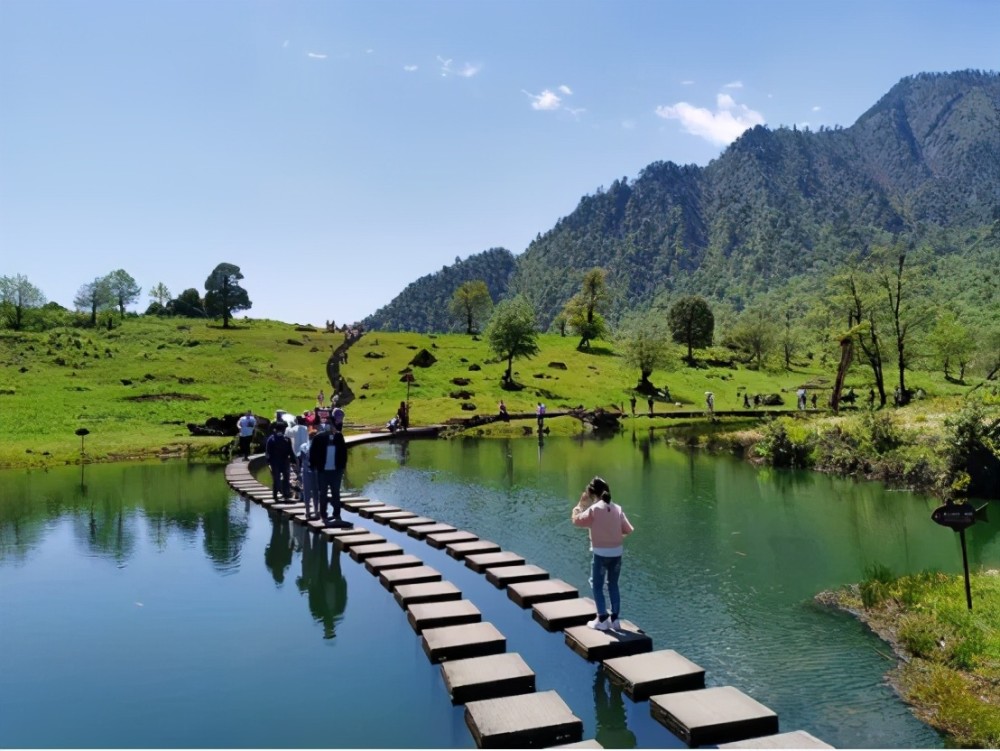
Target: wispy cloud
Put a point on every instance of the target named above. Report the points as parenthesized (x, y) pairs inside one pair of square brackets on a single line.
[(316, 55), (817, 108), (734, 85), (409, 68), (722, 126), (687, 82), (549, 100), (467, 70)]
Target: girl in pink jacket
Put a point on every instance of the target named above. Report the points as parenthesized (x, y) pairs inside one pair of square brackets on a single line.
[(608, 526)]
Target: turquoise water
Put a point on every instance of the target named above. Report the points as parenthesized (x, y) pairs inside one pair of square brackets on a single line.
[(151, 607)]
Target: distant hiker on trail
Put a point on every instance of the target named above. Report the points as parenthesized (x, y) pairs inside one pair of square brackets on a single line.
[(540, 413), (814, 401), (246, 425), (649, 402), (278, 450), (608, 527), (632, 403), (746, 401), (503, 412), (320, 398), (801, 393), (710, 401)]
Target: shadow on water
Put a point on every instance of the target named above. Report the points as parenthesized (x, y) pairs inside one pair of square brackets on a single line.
[(612, 725)]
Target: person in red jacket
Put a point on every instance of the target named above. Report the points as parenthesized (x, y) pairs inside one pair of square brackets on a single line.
[(608, 527)]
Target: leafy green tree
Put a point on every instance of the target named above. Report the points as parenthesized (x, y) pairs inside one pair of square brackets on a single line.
[(584, 311), (644, 347), (123, 289), (471, 304), (511, 333), (952, 344), (94, 296), (160, 294), (17, 294), (188, 304), (223, 293), (691, 323), (755, 334), (864, 320), (559, 323)]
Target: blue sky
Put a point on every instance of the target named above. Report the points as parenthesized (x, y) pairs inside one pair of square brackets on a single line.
[(337, 151)]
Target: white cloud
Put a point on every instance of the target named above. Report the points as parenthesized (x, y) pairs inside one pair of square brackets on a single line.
[(816, 108), (547, 100), (734, 85), (316, 55), (468, 70), (409, 68), (723, 126), (566, 90), (687, 82)]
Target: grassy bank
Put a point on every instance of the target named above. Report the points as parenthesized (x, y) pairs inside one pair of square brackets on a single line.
[(136, 387), (950, 656)]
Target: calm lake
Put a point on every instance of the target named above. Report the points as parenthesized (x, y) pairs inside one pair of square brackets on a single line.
[(147, 605)]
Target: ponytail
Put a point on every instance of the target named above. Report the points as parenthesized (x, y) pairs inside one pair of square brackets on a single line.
[(606, 496)]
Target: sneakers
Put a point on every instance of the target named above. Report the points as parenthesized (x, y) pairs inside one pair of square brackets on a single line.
[(615, 624), (600, 624)]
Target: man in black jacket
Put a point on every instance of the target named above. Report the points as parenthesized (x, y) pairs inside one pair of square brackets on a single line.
[(328, 458)]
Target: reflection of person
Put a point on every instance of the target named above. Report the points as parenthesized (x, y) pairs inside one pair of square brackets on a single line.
[(246, 426), (608, 527), (324, 583), (278, 553), (612, 726)]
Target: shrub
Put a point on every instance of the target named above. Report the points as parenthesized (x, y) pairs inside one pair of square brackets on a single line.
[(875, 586), (786, 445)]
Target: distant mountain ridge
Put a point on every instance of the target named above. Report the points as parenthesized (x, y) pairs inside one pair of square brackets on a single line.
[(774, 205)]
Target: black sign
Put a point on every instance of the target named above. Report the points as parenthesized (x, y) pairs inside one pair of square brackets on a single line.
[(956, 516)]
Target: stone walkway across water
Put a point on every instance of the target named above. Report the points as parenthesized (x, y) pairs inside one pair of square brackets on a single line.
[(497, 688)]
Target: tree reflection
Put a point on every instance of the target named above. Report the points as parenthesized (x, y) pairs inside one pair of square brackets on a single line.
[(224, 537)]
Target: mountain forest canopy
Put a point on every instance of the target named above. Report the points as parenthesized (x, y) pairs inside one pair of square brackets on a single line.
[(775, 217)]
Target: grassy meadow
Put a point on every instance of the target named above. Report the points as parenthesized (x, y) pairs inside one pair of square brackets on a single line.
[(137, 386)]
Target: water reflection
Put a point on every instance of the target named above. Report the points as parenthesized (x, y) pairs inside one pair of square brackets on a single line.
[(278, 553), (612, 726), (323, 582)]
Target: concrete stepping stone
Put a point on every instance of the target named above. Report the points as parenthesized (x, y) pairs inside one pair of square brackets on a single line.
[(479, 562), (478, 678), (355, 503), (528, 593), (394, 577), (385, 562), (363, 552), (440, 539), (345, 542), (460, 550), (596, 646), (459, 642), (560, 614), (525, 721), (501, 576), (661, 672), (582, 744), (369, 511), (383, 517), (424, 615), (420, 531), (794, 739), (333, 533), (401, 525), (712, 715), (408, 594)]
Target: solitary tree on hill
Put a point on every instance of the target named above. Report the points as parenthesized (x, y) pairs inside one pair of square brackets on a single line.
[(585, 308), (223, 293), (511, 333), (18, 294), (123, 288), (160, 294), (691, 323), (644, 348), (94, 296), (471, 303)]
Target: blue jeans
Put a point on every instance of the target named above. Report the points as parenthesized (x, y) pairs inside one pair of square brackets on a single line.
[(329, 480), (610, 569), (308, 479)]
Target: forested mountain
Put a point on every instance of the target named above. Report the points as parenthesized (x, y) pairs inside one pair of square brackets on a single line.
[(423, 305), (922, 165)]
